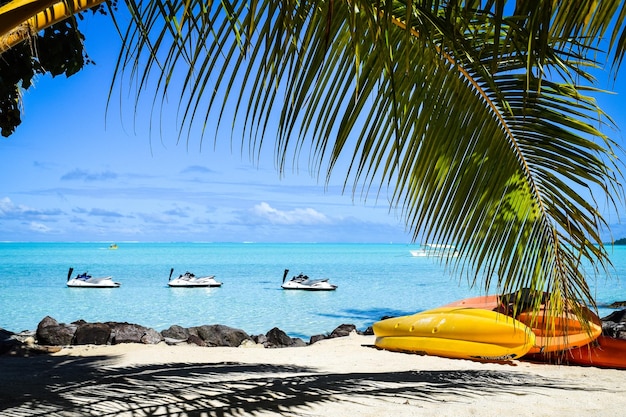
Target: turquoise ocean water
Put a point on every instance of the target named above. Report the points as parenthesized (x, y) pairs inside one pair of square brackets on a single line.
[(374, 280)]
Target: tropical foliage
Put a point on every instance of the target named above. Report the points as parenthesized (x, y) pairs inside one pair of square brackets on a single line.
[(55, 47), (475, 120)]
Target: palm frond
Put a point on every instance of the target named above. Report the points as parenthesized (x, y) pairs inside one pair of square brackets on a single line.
[(476, 123)]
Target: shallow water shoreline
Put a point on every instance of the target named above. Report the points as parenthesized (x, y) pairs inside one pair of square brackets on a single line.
[(374, 280)]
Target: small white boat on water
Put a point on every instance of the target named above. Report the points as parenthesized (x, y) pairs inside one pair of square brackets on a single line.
[(303, 282), (85, 280), (435, 251), (190, 280)]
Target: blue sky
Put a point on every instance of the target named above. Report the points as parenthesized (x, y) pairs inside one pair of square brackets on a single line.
[(71, 174)]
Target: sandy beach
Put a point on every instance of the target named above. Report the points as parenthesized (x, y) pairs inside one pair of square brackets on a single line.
[(336, 377)]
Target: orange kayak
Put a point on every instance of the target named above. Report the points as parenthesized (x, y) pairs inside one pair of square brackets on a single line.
[(553, 333), (485, 302), (604, 352)]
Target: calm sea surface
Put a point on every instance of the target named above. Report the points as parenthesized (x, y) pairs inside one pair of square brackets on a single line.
[(374, 280)]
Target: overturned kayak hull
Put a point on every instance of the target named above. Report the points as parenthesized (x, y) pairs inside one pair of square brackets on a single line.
[(553, 333), (604, 352), (460, 333)]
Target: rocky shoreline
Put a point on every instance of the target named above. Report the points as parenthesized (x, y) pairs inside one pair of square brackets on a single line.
[(51, 336)]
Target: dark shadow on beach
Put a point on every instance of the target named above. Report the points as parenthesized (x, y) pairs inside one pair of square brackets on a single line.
[(47, 385)]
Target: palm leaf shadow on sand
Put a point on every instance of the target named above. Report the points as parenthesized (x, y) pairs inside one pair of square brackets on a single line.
[(87, 386)]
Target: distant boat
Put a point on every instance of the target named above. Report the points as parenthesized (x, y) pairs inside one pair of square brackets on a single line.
[(190, 280), (113, 246), (85, 280), (435, 250), (303, 282)]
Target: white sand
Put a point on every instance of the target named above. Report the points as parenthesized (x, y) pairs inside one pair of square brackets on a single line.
[(338, 377)]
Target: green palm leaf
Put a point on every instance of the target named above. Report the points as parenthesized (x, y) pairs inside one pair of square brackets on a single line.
[(472, 122)]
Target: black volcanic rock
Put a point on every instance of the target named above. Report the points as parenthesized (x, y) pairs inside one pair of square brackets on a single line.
[(92, 334), (343, 330), (220, 335), (51, 332)]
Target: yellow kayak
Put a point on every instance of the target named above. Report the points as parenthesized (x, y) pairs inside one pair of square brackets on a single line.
[(453, 332)]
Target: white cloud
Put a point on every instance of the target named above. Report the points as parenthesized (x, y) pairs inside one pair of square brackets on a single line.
[(7, 207), (39, 227), (10, 209), (296, 216)]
